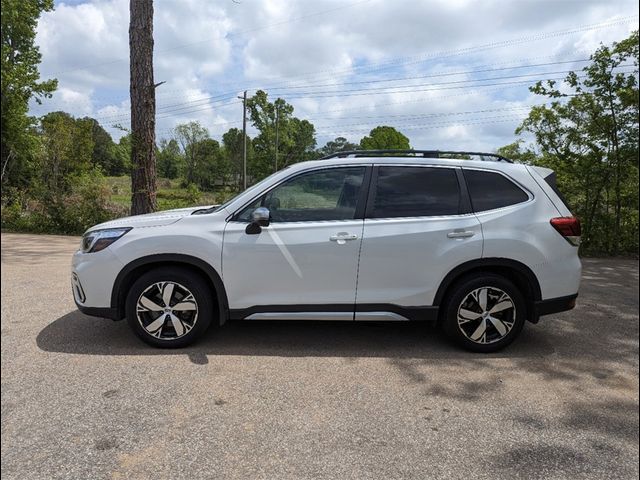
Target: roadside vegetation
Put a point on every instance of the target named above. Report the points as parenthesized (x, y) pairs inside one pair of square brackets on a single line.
[(62, 174)]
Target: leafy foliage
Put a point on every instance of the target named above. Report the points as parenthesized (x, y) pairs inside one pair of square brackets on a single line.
[(20, 83), (296, 138), (340, 144), (385, 138), (190, 137), (232, 142), (170, 159), (588, 134)]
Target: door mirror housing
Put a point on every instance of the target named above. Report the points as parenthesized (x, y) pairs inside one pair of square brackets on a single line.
[(259, 218)]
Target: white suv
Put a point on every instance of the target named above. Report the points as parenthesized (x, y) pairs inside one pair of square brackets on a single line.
[(479, 246)]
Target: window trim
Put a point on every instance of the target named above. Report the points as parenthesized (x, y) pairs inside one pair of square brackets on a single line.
[(360, 204), (527, 192), (464, 204)]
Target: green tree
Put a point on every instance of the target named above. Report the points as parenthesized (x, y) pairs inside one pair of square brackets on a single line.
[(588, 134), (300, 142), (296, 138), (340, 144), (68, 149), (190, 136), (104, 153), (19, 84), (122, 152), (170, 159), (518, 153), (384, 138), (208, 169), (232, 142)]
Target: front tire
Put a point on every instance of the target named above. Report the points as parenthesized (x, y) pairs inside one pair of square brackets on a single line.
[(484, 312), (169, 307)]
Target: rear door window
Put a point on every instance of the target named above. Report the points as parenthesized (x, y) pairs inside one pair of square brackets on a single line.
[(489, 190), (404, 191)]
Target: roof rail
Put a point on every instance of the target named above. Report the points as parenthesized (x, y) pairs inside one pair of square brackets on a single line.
[(492, 157)]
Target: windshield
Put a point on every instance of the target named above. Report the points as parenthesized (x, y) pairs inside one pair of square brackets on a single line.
[(217, 208)]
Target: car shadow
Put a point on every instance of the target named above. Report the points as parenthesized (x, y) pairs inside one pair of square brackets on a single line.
[(80, 334)]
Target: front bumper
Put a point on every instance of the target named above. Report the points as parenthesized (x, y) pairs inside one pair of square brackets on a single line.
[(111, 313), (92, 279)]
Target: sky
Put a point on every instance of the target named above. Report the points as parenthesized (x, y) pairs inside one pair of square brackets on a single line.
[(451, 74)]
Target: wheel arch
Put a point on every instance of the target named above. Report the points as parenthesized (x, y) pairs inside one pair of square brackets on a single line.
[(134, 269), (518, 273)]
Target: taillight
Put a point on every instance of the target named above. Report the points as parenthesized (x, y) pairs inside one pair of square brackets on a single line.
[(569, 228)]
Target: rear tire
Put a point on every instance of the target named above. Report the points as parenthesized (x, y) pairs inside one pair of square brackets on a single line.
[(484, 312), (169, 307)]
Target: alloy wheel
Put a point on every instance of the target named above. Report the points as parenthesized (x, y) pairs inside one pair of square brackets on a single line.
[(486, 315), (167, 310)]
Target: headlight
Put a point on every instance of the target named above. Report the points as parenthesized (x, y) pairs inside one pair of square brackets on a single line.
[(100, 239)]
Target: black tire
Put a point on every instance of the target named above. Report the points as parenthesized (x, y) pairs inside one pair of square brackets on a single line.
[(493, 339), (184, 281)]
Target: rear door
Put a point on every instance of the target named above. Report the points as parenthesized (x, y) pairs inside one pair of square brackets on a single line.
[(418, 226)]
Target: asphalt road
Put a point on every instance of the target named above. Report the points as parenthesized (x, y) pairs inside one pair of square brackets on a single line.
[(82, 398)]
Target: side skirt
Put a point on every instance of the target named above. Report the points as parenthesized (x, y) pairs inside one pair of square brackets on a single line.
[(342, 312)]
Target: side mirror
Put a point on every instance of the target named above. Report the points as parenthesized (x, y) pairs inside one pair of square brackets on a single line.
[(259, 218)]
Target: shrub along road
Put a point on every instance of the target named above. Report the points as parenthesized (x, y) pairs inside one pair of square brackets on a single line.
[(83, 398)]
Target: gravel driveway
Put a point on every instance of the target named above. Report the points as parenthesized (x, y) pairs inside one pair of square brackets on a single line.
[(83, 398)]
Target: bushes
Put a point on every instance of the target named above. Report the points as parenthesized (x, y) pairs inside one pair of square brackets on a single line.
[(86, 204)]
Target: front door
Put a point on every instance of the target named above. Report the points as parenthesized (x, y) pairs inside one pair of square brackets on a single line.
[(304, 264)]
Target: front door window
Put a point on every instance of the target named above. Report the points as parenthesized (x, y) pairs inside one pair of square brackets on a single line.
[(322, 195)]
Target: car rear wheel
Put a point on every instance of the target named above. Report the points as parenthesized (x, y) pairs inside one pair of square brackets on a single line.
[(484, 312), (169, 307)]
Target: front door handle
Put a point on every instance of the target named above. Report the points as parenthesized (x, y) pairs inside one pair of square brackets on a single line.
[(342, 237), (461, 234)]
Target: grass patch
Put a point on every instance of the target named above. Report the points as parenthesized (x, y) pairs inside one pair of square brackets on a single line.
[(170, 194)]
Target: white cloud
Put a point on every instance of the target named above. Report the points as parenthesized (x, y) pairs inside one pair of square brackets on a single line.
[(208, 51)]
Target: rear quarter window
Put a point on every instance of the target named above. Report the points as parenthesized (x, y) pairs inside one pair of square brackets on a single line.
[(490, 190)]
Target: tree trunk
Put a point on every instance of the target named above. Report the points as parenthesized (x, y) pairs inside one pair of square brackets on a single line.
[(143, 108)]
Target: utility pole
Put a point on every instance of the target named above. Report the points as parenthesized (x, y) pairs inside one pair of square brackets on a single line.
[(244, 139), (277, 138)]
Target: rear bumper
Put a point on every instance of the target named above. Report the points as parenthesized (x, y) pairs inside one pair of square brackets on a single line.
[(553, 305)]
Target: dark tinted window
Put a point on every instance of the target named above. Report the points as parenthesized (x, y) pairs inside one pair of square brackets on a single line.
[(415, 192), (551, 181), (330, 194), (490, 190)]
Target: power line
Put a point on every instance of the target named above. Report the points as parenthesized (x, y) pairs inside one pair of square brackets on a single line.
[(168, 94), (428, 126), (338, 94), (386, 92), (434, 75), (283, 86), (228, 95), (163, 110), (197, 105), (410, 117), (451, 82)]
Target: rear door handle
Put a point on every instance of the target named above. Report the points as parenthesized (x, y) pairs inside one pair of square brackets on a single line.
[(342, 237), (461, 234)]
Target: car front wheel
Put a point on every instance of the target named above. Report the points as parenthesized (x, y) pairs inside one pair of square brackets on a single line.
[(169, 307)]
